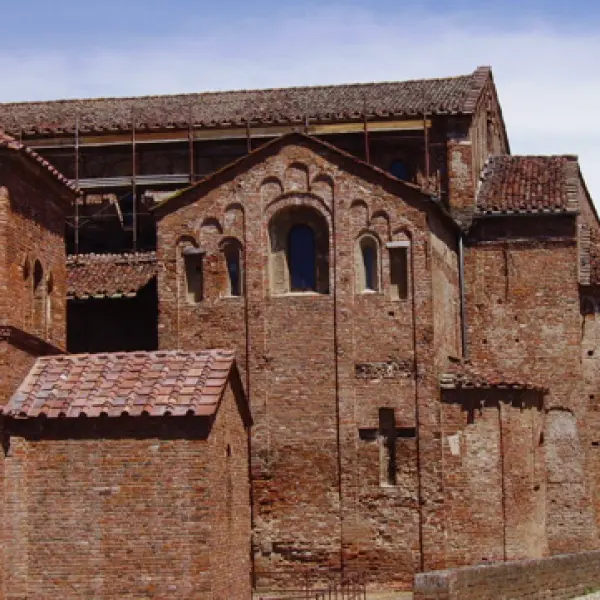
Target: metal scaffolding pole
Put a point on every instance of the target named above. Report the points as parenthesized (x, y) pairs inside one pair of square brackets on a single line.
[(191, 147), (133, 182), (366, 133), (76, 233)]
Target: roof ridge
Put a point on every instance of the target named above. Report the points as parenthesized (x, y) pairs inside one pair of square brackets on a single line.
[(11, 143), (239, 90), (480, 77)]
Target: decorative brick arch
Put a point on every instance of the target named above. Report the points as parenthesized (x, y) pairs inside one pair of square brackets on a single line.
[(367, 262), (281, 225)]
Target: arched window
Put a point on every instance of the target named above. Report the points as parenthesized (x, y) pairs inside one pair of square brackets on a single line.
[(400, 169), (299, 251), (39, 300), (232, 250), (49, 292), (302, 258), (367, 264)]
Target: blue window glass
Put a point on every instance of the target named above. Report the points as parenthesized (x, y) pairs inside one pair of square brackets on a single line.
[(400, 170), (302, 258)]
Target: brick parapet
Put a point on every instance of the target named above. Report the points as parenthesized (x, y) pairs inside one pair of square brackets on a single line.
[(557, 577)]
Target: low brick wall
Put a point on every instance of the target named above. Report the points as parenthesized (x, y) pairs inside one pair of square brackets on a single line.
[(562, 576)]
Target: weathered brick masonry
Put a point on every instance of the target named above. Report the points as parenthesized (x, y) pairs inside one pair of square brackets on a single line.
[(114, 488), (416, 332), (559, 577)]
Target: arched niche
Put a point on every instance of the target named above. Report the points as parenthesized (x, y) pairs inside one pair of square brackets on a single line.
[(299, 251), (380, 223), (359, 214), (367, 263), (270, 189), (296, 178), (322, 186), (233, 220)]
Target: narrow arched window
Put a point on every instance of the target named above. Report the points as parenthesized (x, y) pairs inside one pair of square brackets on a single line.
[(302, 258), (232, 251), (49, 296), (193, 259), (368, 250), (39, 300), (367, 264)]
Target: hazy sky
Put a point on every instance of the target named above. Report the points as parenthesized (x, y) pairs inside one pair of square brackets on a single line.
[(544, 53)]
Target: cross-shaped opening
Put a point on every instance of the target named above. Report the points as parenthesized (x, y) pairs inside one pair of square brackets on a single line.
[(386, 436)]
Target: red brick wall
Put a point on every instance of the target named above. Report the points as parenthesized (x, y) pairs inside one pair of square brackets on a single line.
[(15, 363), (230, 533), (121, 508), (563, 576), (33, 224), (316, 489), (494, 476), (523, 314)]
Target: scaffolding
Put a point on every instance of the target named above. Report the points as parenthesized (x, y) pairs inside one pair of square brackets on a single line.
[(123, 187)]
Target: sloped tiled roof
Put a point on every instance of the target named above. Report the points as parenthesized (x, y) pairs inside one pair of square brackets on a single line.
[(109, 275), (9, 143), (522, 184), (452, 95), (125, 383), (465, 375)]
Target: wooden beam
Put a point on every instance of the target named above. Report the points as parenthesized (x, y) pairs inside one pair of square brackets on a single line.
[(183, 135)]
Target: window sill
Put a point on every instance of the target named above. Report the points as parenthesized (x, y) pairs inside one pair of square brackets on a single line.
[(301, 295)]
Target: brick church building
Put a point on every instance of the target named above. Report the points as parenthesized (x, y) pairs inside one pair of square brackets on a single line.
[(413, 313)]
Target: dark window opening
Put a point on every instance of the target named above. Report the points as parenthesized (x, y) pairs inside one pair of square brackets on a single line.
[(400, 169), (193, 275), (39, 300), (399, 273), (302, 259), (369, 263), (233, 260)]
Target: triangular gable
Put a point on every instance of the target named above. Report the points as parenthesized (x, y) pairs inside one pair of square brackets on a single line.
[(353, 164), (66, 188)]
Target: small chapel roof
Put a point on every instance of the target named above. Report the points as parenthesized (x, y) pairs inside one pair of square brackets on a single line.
[(529, 184), (109, 275), (11, 144), (161, 383), (326, 103)]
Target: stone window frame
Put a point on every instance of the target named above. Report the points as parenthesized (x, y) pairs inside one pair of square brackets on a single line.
[(359, 267), (187, 249), (226, 245), (406, 245), (280, 225)]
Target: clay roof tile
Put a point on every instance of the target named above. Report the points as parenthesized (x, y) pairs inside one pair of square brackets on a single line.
[(75, 385)]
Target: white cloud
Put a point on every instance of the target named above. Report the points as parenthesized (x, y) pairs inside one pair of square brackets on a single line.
[(547, 79)]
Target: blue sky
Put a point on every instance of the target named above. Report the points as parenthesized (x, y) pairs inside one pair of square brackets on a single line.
[(543, 53)]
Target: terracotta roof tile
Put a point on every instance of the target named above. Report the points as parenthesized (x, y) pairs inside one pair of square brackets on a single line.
[(109, 275), (9, 143), (465, 375), (452, 95), (116, 384), (520, 184)]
